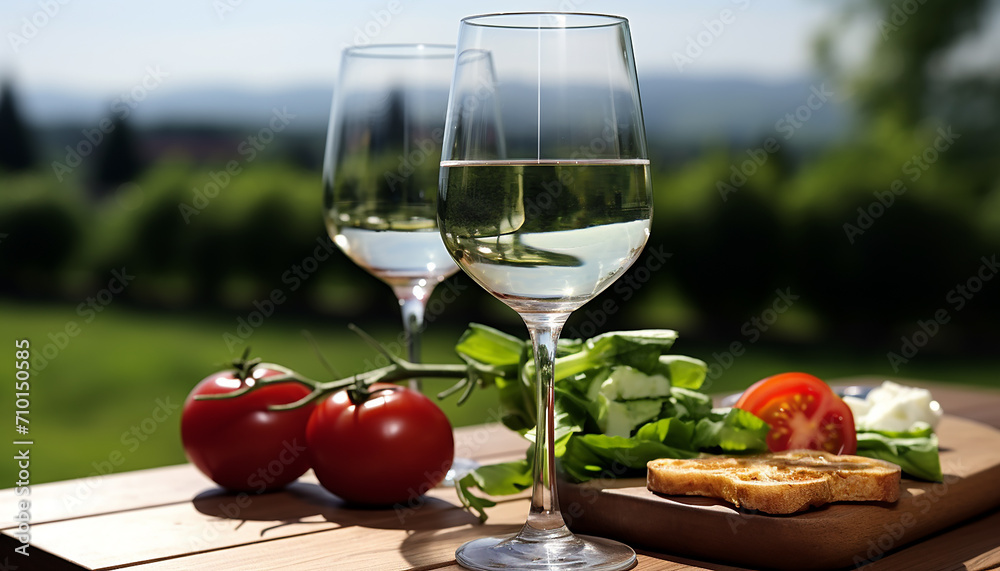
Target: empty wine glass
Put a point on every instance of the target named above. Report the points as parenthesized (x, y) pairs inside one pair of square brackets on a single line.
[(544, 201), (381, 170)]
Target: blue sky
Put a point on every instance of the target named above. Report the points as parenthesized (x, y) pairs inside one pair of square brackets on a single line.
[(104, 46)]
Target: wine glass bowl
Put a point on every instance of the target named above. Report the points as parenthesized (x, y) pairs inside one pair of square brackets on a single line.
[(544, 200), (380, 172), (557, 232)]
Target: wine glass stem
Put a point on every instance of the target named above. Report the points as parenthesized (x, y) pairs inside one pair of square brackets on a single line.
[(413, 307), (544, 515)]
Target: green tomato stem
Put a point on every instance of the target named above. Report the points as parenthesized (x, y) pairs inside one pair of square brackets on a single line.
[(399, 370)]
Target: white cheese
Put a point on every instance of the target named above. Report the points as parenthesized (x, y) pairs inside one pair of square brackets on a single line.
[(620, 418), (894, 408), (628, 383), (630, 398)]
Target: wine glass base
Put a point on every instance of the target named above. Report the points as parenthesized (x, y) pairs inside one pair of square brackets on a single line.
[(566, 552)]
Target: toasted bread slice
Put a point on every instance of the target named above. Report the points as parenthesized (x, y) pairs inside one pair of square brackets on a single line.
[(778, 483)]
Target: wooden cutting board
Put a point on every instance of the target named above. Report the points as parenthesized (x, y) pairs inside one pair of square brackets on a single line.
[(837, 535)]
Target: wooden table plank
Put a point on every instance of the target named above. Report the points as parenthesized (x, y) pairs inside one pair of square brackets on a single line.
[(647, 561), (173, 511), (484, 442), (98, 494), (426, 543), (175, 518), (973, 546), (101, 494), (215, 519)]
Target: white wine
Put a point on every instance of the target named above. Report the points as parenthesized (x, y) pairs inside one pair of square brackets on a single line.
[(545, 235), (398, 257)]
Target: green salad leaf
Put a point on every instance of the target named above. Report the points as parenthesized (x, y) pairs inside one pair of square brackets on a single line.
[(620, 401), (731, 431), (916, 452)]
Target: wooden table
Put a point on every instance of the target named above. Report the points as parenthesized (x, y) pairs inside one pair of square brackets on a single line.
[(174, 518)]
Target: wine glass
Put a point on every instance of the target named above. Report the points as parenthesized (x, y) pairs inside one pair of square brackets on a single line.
[(544, 200), (381, 169)]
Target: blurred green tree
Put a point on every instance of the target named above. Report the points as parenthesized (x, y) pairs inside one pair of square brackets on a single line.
[(16, 150), (118, 160), (921, 86), (913, 72)]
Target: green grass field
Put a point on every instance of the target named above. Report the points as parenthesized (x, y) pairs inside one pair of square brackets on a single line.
[(98, 387)]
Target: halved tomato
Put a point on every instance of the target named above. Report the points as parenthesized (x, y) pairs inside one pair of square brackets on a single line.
[(803, 412)]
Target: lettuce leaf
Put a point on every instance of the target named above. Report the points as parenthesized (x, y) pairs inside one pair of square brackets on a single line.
[(588, 392), (676, 420), (493, 479), (915, 452), (731, 431)]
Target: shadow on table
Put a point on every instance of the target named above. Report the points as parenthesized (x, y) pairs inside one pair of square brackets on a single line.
[(303, 503), (39, 558), (423, 547), (434, 527)]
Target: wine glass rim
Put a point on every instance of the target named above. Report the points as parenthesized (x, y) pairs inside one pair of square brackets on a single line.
[(402, 51), (596, 20)]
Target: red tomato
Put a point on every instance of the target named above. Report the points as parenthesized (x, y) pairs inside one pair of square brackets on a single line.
[(389, 449), (803, 412), (240, 444)]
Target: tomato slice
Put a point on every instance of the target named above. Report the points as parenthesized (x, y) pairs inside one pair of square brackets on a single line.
[(803, 412)]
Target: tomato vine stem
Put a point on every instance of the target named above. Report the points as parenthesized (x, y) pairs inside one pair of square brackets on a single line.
[(399, 370)]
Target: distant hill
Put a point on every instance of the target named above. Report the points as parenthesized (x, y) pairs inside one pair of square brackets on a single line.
[(738, 110), (677, 109), (209, 106)]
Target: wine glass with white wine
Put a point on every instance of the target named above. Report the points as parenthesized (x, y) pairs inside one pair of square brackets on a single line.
[(381, 170), (545, 201)]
